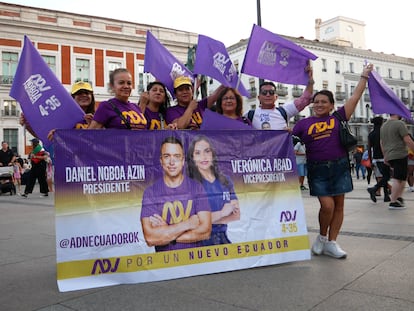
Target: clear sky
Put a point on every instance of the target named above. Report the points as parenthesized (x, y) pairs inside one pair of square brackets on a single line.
[(388, 24)]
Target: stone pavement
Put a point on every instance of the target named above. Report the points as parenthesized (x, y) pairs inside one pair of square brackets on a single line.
[(377, 275)]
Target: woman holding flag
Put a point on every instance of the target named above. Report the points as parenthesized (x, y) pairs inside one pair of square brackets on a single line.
[(329, 175)]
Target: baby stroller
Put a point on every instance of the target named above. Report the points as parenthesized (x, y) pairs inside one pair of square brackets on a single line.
[(6, 180)]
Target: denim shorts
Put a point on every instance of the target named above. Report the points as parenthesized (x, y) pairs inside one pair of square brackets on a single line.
[(302, 169), (329, 178)]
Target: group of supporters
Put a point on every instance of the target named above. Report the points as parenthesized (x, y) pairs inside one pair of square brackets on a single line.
[(329, 175)]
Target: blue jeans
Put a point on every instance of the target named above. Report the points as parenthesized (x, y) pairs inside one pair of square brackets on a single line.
[(359, 166)]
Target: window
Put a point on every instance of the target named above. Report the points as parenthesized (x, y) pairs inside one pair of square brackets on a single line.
[(141, 87), (236, 65), (389, 73), (350, 28), (252, 85), (351, 67), (324, 65), (403, 96), (352, 89), (401, 75), (82, 70), (329, 29), (111, 67), (325, 85), (337, 66), (50, 61), (377, 69), (9, 66), (10, 108), (412, 76), (11, 136), (338, 87)]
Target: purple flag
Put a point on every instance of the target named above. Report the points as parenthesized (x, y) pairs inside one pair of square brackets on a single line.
[(270, 56), (212, 59), (384, 100), (46, 104), (162, 64), (215, 121)]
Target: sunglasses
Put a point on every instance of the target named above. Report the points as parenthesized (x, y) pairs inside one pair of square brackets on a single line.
[(266, 92)]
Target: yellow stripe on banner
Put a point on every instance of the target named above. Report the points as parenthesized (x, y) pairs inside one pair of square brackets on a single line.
[(183, 257)]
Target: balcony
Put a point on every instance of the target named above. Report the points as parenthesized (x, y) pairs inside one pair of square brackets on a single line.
[(281, 90), (253, 92), (367, 98), (6, 79), (340, 95), (297, 92), (10, 114)]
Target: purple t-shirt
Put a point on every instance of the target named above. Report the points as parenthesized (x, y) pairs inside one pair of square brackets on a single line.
[(81, 125), (196, 119), (321, 137), (106, 115), (175, 205), (218, 195), (153, 119)]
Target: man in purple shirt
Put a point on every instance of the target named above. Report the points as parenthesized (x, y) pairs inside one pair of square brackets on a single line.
[(175, 210), (188, 113)]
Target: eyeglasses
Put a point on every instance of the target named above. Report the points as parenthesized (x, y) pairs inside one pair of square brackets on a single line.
[(229, 98), (265, 92)]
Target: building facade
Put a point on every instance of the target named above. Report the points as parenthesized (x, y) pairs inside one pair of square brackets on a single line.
[(76, 47)]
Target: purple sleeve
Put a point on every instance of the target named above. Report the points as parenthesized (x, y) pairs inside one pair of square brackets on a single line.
[(173, 113), (202, 104), (103, 113)]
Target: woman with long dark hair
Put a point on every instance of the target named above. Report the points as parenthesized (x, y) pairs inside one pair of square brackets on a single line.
[(202, 166)]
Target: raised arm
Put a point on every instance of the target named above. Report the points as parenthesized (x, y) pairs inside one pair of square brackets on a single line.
[(306, 97), (213, 97), (184, 121), (352, 102)]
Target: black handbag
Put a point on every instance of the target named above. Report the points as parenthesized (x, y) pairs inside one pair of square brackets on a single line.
[(348, 139)]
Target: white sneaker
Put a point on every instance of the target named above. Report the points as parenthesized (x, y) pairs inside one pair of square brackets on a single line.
[(331, 248), (411, 189), (318, 245)]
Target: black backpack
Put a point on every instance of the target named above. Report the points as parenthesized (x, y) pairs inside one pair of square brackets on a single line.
[(282, 111)]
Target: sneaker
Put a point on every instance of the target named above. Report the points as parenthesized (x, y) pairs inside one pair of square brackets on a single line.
[(401, 200), (318, 245), (331, 248), (372, 194), (303, 188), (44, 195), (411, 189), (396, 205), (387, 198), (24, 195)]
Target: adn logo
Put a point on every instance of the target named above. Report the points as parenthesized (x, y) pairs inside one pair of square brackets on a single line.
[(287, 216), (105, 266)]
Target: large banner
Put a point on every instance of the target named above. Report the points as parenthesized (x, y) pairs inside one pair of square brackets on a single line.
[(144, 206)]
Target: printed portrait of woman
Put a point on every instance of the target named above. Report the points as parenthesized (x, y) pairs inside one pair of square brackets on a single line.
[(202, 166)]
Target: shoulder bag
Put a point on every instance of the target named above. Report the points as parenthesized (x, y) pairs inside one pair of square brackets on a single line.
[(119, 113), (348, 139)]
